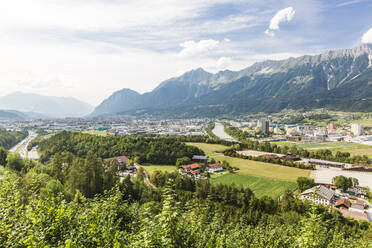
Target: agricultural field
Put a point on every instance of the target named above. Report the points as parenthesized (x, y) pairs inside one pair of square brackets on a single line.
[(261, 178), (353, 148), (95, 132), (151, 168), (209, 149), (259, 185), (267, 170)]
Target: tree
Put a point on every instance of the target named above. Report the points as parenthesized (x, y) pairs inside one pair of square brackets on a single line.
[(355, 181), (14, 161), (3, 155), (304, 183), (182, 161), (342, 182)]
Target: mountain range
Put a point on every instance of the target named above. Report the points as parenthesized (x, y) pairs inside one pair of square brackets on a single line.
[(337, 80), (20, 105)]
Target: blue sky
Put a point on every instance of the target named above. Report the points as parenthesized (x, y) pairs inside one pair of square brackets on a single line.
[(90, 48)]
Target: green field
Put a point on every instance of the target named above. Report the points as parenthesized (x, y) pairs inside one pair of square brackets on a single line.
[(95, 132), (209, 149), (261, 178), (353, 148), (267, 170), (151, 168), (259, 185)]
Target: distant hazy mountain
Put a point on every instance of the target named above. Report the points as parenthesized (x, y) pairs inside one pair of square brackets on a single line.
[(35, 105), (339, 80), (16, 115)]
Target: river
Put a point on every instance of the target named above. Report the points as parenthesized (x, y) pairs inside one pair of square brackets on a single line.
[(219, 131)]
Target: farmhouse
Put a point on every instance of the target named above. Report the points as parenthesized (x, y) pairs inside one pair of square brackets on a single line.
[(343, 203), (357, 207), (358, 191), (215, 168), (123, 160), (191, 170), (200, 159), (319, 195)]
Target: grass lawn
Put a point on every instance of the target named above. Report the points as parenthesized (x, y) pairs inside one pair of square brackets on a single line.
[(95, 132), (209, 149), (267, 170), (353, 148), (259, 185), (151, 168), (261, 178)]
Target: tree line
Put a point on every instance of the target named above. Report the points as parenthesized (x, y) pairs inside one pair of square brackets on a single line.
[(8, 139), (156, 150)]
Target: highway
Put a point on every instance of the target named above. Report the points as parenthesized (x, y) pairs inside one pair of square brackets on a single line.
[(21, 147)]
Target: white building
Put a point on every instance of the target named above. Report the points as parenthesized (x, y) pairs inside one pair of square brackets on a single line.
[(264, 125), (356, 129), (318, 195)]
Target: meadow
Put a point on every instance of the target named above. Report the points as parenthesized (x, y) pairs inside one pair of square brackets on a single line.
[(259, 185), (209, 149), (352, 148), (261, 178), (151, 168)]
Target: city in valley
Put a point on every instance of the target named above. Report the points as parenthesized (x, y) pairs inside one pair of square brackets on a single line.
[(321, 145), (186, 124)]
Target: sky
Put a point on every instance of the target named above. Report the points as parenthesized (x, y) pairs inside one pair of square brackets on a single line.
[(88, 49)]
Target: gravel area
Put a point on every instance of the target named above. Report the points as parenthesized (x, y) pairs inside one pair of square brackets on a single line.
[(325, 175)]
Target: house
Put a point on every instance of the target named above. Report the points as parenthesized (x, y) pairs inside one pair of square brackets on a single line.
[(123, 164), (319, 195), (343, 203), (191, 170), (123, 160), (200, 159), (215, 168), (357, 207), (356, 190)]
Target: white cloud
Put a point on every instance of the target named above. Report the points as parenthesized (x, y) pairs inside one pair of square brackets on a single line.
[(269, 32), (218, 65), (367, 36), (283, 15), (191, 48), (347, 3)]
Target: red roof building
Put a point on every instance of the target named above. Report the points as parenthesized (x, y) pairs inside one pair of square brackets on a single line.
[(343, 204)]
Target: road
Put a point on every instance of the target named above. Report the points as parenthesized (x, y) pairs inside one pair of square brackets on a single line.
[(219, 131), (21, 147), (145, 177)]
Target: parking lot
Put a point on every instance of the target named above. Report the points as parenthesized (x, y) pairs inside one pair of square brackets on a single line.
[(325, 175)]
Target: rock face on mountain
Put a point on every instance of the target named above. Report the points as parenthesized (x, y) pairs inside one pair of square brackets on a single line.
[(45, 105), (340, 80)]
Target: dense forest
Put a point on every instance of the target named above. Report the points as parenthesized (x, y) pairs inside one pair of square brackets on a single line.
[(75, 199), (156, 150), (10, 139)]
